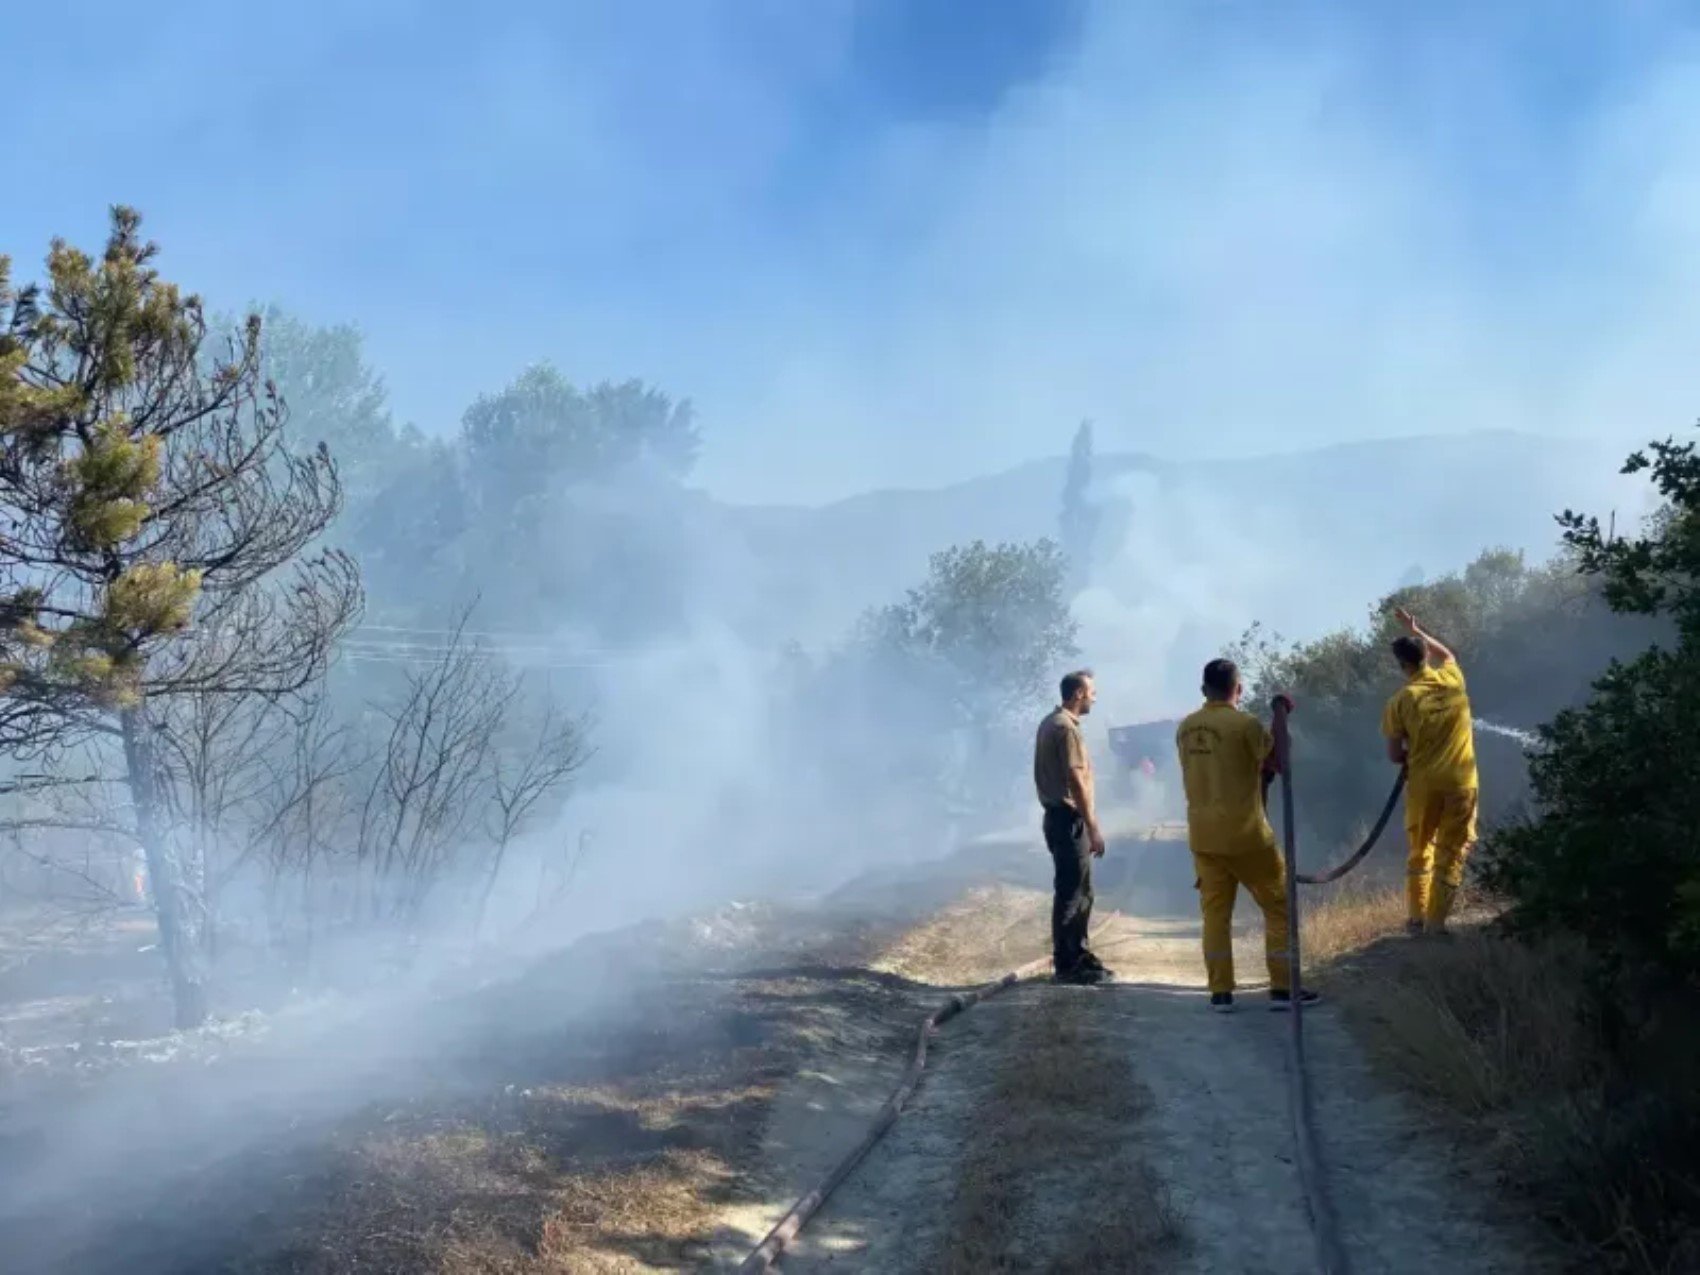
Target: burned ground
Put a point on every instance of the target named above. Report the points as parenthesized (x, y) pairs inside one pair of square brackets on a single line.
[(656, 1099), (605, 1109)]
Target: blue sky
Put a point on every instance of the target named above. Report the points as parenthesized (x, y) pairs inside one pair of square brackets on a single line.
[(900, 242)]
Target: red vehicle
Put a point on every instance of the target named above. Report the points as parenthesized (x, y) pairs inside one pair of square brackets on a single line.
[(1147, 748)]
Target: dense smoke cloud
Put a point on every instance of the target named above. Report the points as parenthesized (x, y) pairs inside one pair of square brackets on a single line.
[(1263, 255), (1214, 235)]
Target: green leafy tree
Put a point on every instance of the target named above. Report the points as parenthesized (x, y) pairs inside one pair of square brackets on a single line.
[(580, 490), (410, 531), (978, 645), (335, 399), (147, 509), (990, 625), (541, 432), (1611, 852), (919, 713), (405, 507)]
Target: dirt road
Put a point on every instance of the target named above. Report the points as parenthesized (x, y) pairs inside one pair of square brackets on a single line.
[(655, 1101), (1182, 1160)]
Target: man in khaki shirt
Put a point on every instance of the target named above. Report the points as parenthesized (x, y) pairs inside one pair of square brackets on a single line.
[(1062, 774)]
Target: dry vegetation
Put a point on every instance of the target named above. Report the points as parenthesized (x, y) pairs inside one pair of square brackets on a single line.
[(1052, 1146), (622, 1159), (625, 1175), (1583, 1115), (659, 1204), (982, 936), (990, 930), (584, 1181), (543, 1133), (667, 1204)]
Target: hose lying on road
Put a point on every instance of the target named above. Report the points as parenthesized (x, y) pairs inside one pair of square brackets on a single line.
[(1330, 1254), (780, 1237), (1324, 1224)]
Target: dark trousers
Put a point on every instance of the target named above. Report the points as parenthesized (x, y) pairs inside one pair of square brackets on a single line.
[(1071, 908)]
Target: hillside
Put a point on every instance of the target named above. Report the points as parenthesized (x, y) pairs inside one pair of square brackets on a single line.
[(1297, 539)]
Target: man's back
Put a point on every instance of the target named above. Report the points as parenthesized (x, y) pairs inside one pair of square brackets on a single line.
[(1432, 713), (1057, 749), (1221, 754)]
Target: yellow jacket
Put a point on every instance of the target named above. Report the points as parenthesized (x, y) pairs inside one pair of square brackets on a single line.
[(1431, 713), (1222, 751)]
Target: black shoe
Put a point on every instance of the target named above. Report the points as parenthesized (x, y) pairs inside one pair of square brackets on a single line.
[(1222, 1002), (1413, 928), (1090, 961), (1284, 1000), (1079, 976)]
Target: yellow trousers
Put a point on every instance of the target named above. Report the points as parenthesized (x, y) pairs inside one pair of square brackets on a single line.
[(1264, 876), (1441, 828)]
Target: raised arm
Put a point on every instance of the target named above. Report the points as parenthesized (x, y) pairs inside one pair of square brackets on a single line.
[(1433, 647)]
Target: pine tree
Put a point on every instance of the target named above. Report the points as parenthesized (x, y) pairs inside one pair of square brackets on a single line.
[(1080, 514), (147, 505)]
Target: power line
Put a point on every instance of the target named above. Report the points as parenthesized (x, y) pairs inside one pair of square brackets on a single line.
[(471, 653), (540, 638), (474, 652), (358, 655)]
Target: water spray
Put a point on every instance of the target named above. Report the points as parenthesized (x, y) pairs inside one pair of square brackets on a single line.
[(1528, 739)]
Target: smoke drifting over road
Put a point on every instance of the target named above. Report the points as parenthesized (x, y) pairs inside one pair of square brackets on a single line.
[(624, 657)]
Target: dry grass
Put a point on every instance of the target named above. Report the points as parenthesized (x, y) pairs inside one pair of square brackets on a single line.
[(498, 1201), (1052, 1143), (985, 934), (980, 937), (623, 1174), (615, 1223), (617, 1145), (653, 1112), (1472, 1022), (1508, 1042), (1348, 920), (552, 1135)]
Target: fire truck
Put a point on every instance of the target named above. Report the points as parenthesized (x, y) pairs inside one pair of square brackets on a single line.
[(1146, 749), (1145, 784)]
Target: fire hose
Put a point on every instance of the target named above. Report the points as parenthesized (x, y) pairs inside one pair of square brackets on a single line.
[(780, 1237), (1319, 1204), (1330, 1253), (1369, 842)]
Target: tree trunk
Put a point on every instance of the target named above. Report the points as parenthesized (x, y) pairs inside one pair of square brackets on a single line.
[(176, 898), (489, 889)]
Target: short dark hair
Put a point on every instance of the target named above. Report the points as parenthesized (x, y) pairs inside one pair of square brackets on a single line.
[(1409, 652), (1220, 677), (1075, 682)]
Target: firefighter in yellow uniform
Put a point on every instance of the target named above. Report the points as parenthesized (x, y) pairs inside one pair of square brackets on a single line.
[(1222, 754), (1429, 732)]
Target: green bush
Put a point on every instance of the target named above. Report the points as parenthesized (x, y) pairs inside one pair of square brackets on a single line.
[(1578, 1056), (1613, 842), (1611, 850)]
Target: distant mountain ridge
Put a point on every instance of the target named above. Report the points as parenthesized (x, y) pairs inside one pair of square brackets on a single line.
[(1352, 520)]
